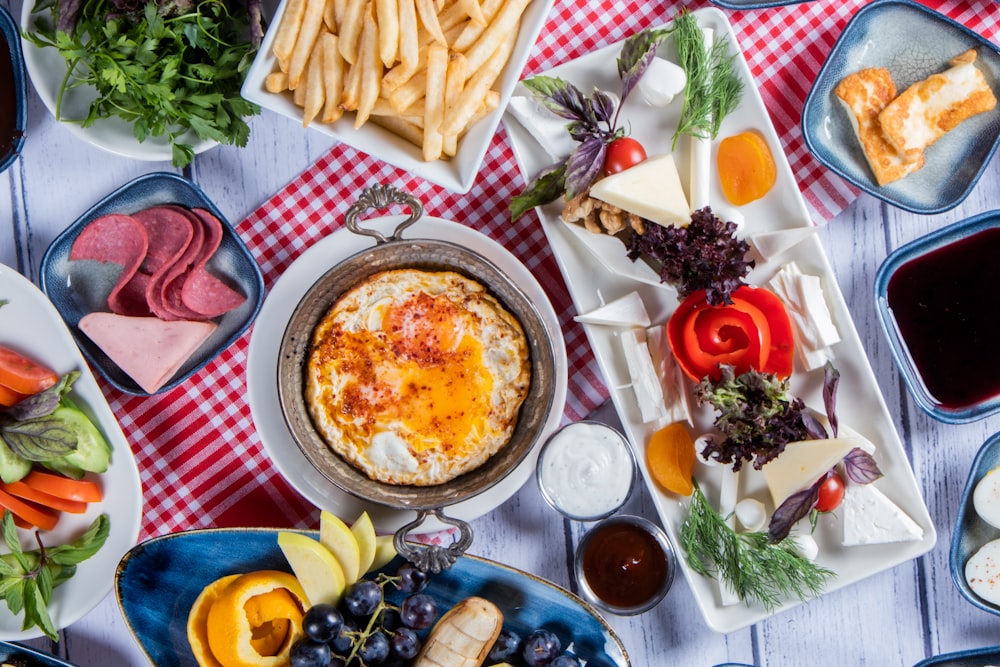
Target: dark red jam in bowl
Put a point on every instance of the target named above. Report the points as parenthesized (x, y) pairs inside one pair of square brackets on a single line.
[(623, 565), (8, 99), (944, 307)]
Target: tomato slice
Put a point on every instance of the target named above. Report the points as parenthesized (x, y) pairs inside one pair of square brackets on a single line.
[(23, 375), (754, 331)]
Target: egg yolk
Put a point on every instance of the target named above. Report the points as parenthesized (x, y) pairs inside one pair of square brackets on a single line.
[(422, 369)]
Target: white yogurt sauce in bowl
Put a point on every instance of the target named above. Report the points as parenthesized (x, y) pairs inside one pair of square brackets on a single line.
[(586, 470)]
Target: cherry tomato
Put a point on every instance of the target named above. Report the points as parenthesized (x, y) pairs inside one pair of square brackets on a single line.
[(831, 492), (622, 153), (754, 331)]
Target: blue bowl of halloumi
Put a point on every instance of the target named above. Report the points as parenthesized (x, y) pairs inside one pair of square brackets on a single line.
[(912, 121)]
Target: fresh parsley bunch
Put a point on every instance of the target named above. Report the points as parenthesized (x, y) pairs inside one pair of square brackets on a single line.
[(167, 69), (27, 578)]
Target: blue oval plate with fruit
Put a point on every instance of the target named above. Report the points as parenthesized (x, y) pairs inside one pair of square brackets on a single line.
[(158, 580)]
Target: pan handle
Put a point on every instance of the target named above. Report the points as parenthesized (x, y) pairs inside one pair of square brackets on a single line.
[(433, 557), (380, 197)]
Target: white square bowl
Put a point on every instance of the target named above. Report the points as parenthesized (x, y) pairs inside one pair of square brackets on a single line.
[(458, 173)]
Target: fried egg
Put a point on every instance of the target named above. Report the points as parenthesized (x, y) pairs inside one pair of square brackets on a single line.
[(416, 377)]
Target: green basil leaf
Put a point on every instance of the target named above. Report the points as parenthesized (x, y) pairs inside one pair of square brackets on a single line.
[(547, 187)]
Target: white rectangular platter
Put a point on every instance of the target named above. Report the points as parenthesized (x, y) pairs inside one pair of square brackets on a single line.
[(592, 282)]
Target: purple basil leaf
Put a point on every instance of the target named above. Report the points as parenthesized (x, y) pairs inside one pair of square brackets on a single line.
[(795, 507), (860, 467), (560, 97), (831, 379), (814, 426), (604, 105), (584, 165), (637, 52)]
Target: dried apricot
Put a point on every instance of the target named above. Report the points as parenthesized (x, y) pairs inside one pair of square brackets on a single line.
[(746, 167), (670, 458)]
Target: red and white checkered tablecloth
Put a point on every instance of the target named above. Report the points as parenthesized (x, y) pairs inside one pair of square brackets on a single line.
[(201, 461)]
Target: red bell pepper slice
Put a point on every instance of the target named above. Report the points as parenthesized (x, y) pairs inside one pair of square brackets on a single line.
[(754, 331)]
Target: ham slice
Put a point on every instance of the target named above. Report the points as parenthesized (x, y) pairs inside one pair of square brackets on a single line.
[(148, 349)]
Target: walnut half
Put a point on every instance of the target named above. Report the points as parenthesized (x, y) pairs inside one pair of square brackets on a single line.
[(600, 217)]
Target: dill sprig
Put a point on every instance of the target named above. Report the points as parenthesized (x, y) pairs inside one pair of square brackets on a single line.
[(754, 568), (713, 88)]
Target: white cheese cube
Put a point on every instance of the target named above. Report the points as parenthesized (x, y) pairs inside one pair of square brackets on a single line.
[(651, 189), (772, 244), (645, 383), (675, 396), (871, 518), (806, 305)]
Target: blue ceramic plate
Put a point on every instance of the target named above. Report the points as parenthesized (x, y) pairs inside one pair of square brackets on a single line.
[(911, 376), (158, 580), (977, 657), (10, 51), (754, 4), (912, 42), (22, 656), (61, 279), (971, 532)]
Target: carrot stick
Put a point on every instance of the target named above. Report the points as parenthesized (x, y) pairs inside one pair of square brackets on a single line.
[(84, 490), (25, 492), (36, 516)]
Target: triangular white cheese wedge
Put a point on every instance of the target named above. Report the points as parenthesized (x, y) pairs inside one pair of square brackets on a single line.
[(802, 463), (625, 311), (871, 518), (651, 189), (149, 349), (645, 382), (772, 244)]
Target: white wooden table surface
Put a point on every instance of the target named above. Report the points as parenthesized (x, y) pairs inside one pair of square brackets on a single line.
[(894, 618)]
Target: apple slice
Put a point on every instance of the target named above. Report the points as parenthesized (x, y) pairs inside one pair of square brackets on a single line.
[(316, 568), (364, 534), (336, 536), (385, 551)]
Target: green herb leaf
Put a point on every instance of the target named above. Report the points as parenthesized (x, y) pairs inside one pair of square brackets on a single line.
[(755, 569), (546, 188)]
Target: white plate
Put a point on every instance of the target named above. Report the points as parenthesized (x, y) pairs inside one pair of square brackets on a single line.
[(262, 367), (30, 324), (860, 405), (457, 174), (47, 69)]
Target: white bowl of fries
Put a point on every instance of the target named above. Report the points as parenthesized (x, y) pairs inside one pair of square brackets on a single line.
[(421, 84)]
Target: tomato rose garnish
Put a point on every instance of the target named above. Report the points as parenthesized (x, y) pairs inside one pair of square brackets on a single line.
[(754, 331)]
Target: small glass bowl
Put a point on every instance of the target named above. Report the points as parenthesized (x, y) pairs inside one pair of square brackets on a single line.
[(580, 462), (625, 535)]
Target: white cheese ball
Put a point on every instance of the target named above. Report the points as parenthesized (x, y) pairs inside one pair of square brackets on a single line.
[(982, 572), (661, 82), (751, 514), (986, 498), (807, 546)]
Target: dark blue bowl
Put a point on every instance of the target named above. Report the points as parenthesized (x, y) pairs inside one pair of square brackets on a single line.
[(882, 34), (10, 39), (971, 532), (975, 657), (233, 261), (916, 251)]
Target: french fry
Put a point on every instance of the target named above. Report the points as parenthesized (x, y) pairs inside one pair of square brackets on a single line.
[(472, 30), (371, 68), (437, 72), (475, 12), (276, 82), (315, 94), (350, 29), (414, 114), (333, 14), (299, 96), (410, 92), (476, 87), (288, 32), (312, 22), (401, 128), (455, 82), (428, 16), (503, 26), (387, 13), (333, 78), (409, 47)]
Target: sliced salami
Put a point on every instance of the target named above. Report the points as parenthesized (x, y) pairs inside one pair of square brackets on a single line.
[(203, 292), (170, 231), (118, 239), (173, 280)]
